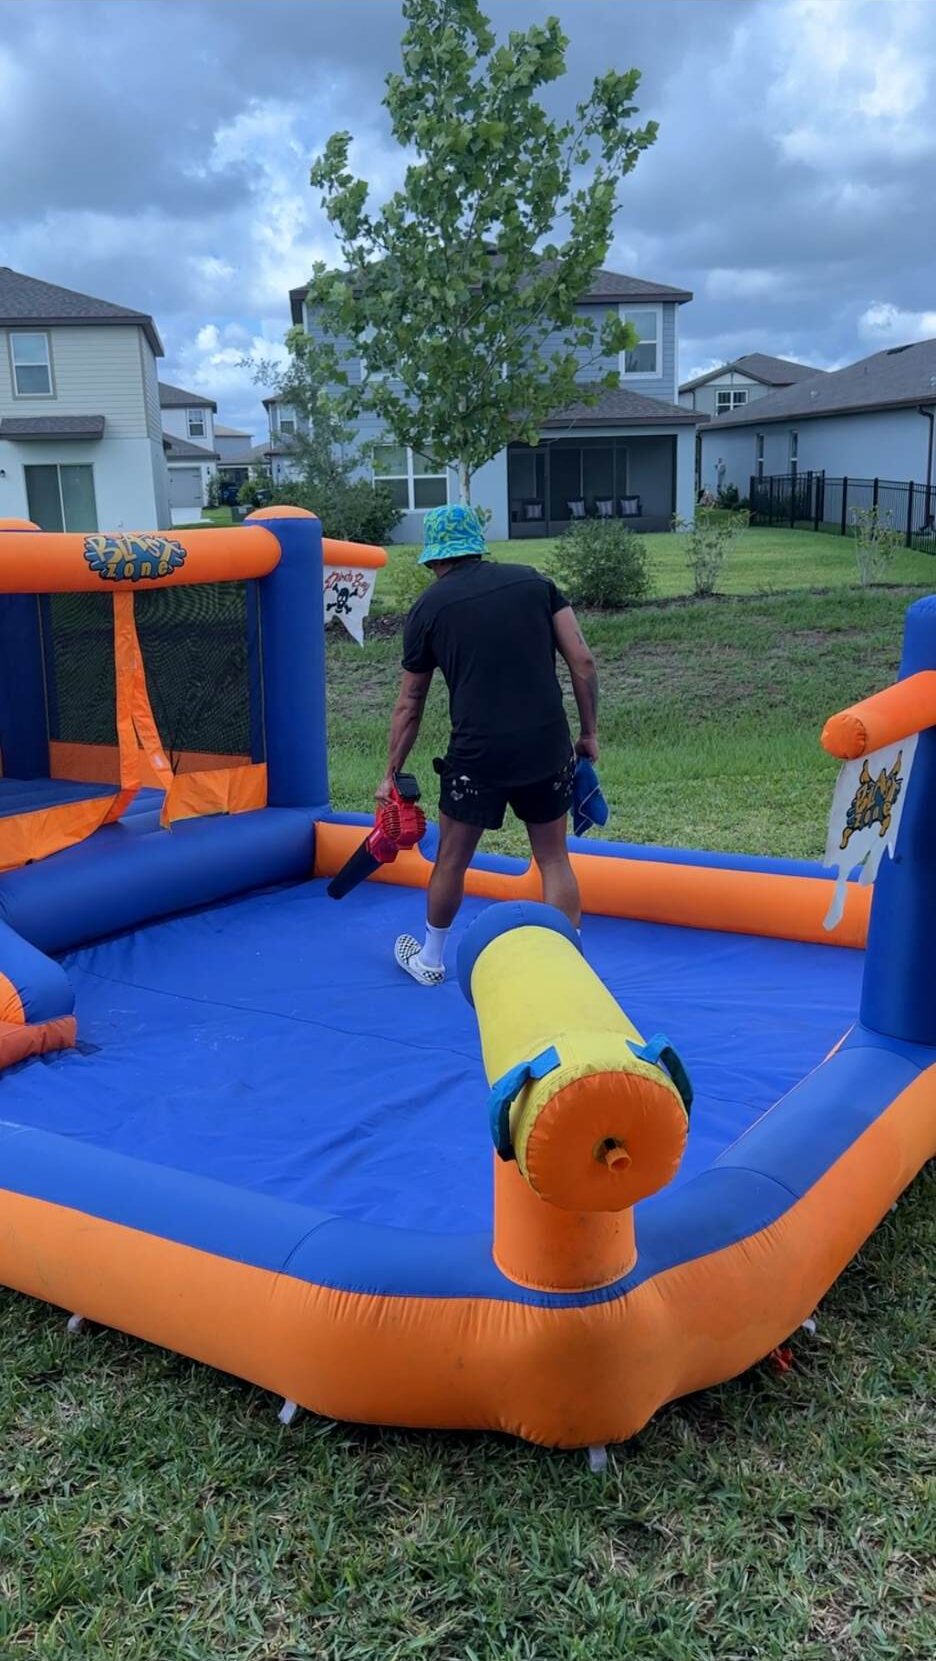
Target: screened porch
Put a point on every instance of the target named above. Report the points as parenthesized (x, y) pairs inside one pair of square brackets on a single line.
[(559, 480)]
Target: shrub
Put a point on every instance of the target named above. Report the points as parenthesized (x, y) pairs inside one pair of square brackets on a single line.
[(408, 578), (709, 538), (257, 491), (353, 510), (602, 564), (876, 544), (728, 497)]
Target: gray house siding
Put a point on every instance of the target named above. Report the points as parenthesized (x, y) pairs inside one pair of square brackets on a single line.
[(883, 444), (650, 454), (703, 398), (662, 385)]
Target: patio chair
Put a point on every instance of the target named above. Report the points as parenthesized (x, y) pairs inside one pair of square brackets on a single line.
[(604, 507), (629, 507), (576, 508)]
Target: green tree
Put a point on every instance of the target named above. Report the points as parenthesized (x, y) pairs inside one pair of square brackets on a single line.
[(329, 470), (456, 296)]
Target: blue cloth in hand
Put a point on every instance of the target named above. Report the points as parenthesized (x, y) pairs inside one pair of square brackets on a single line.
[(589, 807)]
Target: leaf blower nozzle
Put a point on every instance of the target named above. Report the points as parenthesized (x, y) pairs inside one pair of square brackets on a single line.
[(399, 824)]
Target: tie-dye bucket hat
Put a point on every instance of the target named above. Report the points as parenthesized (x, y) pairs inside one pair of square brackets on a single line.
[(452, 533)]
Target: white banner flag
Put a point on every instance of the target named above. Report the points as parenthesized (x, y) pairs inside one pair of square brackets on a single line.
[(865, 818), (348, 595)]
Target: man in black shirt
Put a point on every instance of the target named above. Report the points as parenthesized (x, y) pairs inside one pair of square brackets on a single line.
[(493, 632)]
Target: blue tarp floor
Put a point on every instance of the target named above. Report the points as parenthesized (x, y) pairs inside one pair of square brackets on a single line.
[(271, 1043)]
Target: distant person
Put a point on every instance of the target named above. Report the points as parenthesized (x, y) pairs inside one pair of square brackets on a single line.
[(719, 476), (493, 632)]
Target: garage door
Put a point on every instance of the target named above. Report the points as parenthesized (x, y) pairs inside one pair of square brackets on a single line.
[(185, 493)]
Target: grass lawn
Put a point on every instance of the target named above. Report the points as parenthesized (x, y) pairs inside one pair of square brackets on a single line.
[(762, 562), (151, 1510), (218, 517), (710, 720)]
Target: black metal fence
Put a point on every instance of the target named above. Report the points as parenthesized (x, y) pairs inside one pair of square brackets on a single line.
[(811, 501)]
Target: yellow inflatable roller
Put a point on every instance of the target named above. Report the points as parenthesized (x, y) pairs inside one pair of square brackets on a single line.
[(586, 1115)]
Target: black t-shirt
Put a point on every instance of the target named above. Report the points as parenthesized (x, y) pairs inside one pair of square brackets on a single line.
[(489, 629)]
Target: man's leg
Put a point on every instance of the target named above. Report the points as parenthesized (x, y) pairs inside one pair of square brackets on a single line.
[(550, 850), (457, 843)]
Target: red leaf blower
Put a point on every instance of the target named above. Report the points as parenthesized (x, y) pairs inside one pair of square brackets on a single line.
[(400, 823)]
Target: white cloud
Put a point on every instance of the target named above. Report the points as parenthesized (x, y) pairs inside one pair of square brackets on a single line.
[(210, 270), (886, 324), (702, 367), (272, 142), (222, 361), (853, 80)]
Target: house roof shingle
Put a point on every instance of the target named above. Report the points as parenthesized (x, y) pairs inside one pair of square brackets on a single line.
[(614, 285), (619, 406), (26, 301), (176, 397), (895, 378), (182, 449), (758, 366), (52, 426), (229, 432)]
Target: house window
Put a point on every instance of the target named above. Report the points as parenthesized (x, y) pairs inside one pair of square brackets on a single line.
[(32, 365), (413, 480), (61, 498), (287, 423), (730, 397), (759, 455), (794, 454), (196, 423), (643, 360)]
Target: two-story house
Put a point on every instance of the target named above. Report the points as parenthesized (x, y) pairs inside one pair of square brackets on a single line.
[(630, 455), (80, 436), (734, 385), (188, 432)]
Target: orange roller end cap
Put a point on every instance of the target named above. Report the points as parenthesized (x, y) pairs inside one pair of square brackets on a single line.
[(605, 1141)]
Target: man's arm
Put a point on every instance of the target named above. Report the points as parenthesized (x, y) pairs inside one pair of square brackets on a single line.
[(572, 646), (404, 726)]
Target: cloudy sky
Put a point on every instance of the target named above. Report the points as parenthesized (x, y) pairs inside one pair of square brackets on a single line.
[(157, 154)]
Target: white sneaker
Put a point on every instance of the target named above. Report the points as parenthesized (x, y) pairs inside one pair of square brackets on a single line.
[(406, 951)]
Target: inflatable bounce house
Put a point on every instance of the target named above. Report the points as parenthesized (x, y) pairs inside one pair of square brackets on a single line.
[(230, 1126)]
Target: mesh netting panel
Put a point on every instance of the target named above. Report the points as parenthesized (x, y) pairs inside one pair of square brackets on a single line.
[(194, 646), (78, 638)]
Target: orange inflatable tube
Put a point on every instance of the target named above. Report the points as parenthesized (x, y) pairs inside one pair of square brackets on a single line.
[(907, 707), (365, 555), (66, 562), (564, 1377), (649, 891)]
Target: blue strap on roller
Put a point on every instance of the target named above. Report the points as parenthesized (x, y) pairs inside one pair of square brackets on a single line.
[(660, 1053), (506, 1090)]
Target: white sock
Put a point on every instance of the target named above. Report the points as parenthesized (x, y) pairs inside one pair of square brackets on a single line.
[(433, 949)]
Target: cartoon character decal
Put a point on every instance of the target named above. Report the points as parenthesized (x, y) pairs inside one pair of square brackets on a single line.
[(874, 801)]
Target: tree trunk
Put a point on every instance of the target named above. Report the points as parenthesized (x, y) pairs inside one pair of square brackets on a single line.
[(464, 483)]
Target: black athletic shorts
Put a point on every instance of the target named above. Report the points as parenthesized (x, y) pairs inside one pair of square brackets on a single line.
[(474, 802)]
